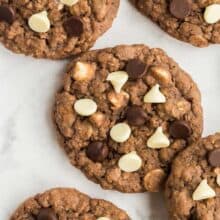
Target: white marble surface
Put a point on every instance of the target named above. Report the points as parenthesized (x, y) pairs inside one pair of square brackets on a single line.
[(30, 158)]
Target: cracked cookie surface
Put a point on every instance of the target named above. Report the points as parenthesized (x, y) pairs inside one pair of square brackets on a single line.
[(60, 31), (185, 20), (123, 114), (193, 188)]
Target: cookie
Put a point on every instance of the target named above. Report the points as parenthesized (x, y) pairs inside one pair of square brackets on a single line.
[(193, 188), (195, 22), (64, 203), (123, 114), (54, 28)]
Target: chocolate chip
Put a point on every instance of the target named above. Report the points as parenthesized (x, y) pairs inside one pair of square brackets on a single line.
[(214, 158), (136, 69), (73, 27), (136, 116), (180, 8), (46, 214), (193, 216), (180, 129), (96, 151), (7, 14)]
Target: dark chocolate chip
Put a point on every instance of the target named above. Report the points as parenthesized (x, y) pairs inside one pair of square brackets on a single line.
[(193, 216), (214, 158), (73, 27), (46, 214), (136, 69), (7, 14), (180, 129), (96, 151), (180, 8), (136, 116)]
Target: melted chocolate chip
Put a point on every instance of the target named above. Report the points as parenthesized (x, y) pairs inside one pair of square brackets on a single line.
[(46, 214), (96, 151), (180, 129), (73, 27), (7, 14), (180, 8), (136, 69), (214, 158), (136, 116)]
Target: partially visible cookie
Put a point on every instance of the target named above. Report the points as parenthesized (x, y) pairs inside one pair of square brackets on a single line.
[(67, 204), (193, 188), (54, 28), (123, 114), (195, 22)]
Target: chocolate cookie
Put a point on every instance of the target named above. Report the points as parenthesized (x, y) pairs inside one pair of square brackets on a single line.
[(54, 28), (124, 113), (193, 188), (68, 204), (195, 22)]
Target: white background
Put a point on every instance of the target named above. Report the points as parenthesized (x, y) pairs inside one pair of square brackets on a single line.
[(31, 160)]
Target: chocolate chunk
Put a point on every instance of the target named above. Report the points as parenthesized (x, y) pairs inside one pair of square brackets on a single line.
[(96, 151), (136, 116), (180, 129), (136, 69), (46, 214), (180, 8), (73, 27), (7, 14), (214, 158)]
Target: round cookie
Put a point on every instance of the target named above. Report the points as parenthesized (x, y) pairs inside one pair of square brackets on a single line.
[(193, 188), (124, 113), (54, 28), (195, 22), (65, 203)]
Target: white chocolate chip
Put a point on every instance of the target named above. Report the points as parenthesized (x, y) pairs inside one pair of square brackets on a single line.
[(218, 179), (118, 100), (120, 132), (85, 107), (103, 218), (154, 95), (203, 191), (118, 79), (130, 162), (39, 22), (161, 74), (84, 71), (98, 119), (158, 140), (212, 13), (69, 2), (60, 6)]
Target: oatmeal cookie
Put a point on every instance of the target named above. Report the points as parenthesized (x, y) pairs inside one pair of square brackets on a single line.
[(68, 204), (196, 22), (123, 114), (54, 28), (193, 188)]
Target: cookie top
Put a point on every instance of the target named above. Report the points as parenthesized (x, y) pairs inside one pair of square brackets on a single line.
[(64, 203), (193, 188), (54, 28), (124, 113), (195, 22)]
